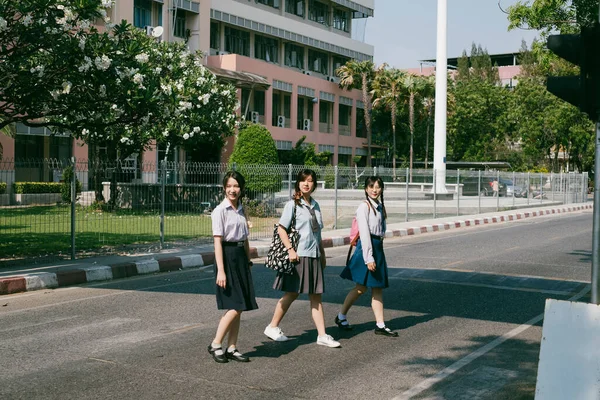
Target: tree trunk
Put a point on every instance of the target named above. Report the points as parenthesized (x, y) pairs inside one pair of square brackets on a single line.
[(367, 104), (411, 124), (430, 106), (394, 104)]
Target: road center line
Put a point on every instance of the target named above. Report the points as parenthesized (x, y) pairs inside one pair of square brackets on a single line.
[(446, 372)]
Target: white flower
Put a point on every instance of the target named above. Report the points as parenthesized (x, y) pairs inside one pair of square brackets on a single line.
[(186, 136), (191, 134), (107, 3), (138, 78), (166, 133), (3, 24), (67, 87), (185, 105), (114, 107), (82, 43), (102, 63), (205, 98), (27, 20), (85, 132), (179, 85), (124, 139), (196, 129), (157, 70), (142, 58), (86, 65), (39, 70), (166, 89), (55, 94), (102, 91)]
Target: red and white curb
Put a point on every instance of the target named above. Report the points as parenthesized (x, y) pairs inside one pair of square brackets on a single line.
[(50, 280)]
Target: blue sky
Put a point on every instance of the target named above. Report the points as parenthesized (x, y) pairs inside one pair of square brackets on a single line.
[(404, 31)]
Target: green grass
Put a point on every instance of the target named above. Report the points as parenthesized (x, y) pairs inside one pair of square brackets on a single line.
[(45, 231)]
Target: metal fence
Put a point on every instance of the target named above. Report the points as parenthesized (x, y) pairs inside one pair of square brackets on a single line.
[(70, 208)]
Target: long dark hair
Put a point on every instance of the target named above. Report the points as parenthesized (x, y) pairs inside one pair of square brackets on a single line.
[(302, 176), (370, 181)]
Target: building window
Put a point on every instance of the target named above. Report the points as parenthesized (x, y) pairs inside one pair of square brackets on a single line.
[(295, 7), (270, 3), (29, 147), (215, 35), (142, 13), (341, 20), (61, 147), (266, 48), (237, 41), (338, 62), (361, 128), (318, 12), (318, 62), (179, 30), (344, 119), (294, 56)]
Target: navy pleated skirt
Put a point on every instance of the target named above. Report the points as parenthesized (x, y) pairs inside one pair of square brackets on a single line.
[(238, 293), (357, 270)]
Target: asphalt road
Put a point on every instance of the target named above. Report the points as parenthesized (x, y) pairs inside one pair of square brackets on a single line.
[(468, 305)]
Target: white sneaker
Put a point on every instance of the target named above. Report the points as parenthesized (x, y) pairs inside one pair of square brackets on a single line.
[(327, 340), (275, 334)]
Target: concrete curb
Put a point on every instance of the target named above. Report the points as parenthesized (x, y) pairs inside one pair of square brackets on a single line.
[(47, 280)]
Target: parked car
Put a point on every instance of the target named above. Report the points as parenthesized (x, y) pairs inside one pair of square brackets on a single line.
[(512, 189), (471, 186)]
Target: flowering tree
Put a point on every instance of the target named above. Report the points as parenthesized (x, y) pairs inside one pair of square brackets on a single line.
[(118, 88)]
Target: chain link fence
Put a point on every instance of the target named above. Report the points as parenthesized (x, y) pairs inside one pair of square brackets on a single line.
[(55, 209)]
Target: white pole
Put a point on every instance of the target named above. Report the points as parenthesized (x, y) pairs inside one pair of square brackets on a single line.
[(441, 88)]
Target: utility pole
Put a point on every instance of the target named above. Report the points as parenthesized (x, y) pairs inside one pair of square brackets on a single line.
[(441, 91)]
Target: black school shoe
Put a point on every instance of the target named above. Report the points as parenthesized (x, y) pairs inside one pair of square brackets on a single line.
[(235, 355), (385, 331), (341, 325), (220, 358)]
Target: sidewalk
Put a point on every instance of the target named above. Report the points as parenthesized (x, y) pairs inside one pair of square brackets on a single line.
[(66, 273)]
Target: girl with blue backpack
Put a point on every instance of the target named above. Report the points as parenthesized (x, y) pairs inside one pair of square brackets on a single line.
[(367, 267)]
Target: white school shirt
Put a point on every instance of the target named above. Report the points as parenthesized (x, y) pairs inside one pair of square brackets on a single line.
[(229, 223), (369, 223), (308, 244)]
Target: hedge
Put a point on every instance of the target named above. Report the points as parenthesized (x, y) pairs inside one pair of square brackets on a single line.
[(36, 187), (2, 187)]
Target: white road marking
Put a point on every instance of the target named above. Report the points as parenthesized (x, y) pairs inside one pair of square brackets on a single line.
[(446, 372)]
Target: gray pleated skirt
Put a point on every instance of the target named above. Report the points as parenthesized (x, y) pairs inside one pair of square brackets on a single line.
[(306, 278)]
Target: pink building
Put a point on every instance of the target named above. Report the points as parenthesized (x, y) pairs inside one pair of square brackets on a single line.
[(281, 54), (508, 67)]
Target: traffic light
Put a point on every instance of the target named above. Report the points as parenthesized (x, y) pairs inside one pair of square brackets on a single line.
[(583, 50)]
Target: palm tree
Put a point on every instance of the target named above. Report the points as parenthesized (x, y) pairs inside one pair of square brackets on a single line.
[(359, 75), (428, 100), (387, 89), (413, 86)]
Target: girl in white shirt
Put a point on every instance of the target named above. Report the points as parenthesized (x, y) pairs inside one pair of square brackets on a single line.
[(368, 267), (235, 290)]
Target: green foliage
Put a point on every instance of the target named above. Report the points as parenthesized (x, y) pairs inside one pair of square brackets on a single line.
[(256, 208), (329, 177), (65, 189), (2, 187), (254, 148), (36, 187)]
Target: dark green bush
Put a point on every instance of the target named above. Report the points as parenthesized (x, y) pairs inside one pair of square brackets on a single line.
[(254, 154), (2, 187), (36, 187), (65, 188)]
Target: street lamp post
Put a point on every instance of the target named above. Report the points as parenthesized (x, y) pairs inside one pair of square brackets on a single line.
[(441, 89)]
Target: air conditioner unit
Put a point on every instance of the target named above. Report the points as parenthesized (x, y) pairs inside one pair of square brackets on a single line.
[(149, 30), (254, 117), (281, 121), (222, 52), (306, 125), (333, 79), (306, 72)]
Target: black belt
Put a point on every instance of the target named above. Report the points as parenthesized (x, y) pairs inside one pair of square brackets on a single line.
[(233, 244), (377, 237)]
